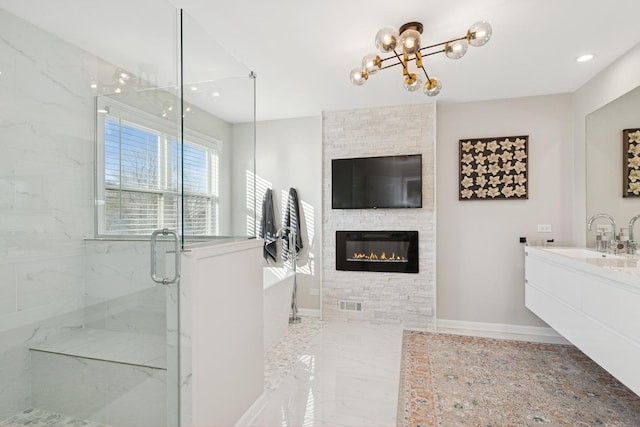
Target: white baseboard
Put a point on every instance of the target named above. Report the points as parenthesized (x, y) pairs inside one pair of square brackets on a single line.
[(254, 410), (540, 334), (309, 312)]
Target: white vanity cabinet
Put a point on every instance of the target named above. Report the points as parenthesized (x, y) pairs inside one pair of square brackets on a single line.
[(591, 299)]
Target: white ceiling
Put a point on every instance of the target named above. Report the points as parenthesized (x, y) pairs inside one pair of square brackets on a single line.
[(303, 51)]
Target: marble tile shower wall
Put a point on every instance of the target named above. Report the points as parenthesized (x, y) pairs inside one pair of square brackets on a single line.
[(46, 194), (119, 294), (387, 297)]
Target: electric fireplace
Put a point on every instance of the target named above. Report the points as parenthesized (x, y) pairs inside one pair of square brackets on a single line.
[(384, 251)]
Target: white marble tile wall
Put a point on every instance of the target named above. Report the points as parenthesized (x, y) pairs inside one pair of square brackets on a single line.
[(396, 298), (15, 375), (46, 194), (119, 292), (112, 393), (116, 268), (46, 169)]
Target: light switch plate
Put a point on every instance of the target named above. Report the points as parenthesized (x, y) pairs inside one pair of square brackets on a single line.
[(544, 228)]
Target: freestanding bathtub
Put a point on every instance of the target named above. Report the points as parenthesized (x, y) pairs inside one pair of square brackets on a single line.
[(278, 291)]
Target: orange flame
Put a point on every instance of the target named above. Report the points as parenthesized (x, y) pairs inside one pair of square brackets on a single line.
[(373, 256)]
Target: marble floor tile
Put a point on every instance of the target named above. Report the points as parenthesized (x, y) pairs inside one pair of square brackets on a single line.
[(44, 418), (344, 374)]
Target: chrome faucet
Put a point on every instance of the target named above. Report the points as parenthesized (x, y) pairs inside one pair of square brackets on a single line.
[(609, 217), (632, 244), (632, 222), (613, 225)]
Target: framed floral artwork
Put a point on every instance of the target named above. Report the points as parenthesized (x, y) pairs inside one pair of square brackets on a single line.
[(631, 162), (494, 168)]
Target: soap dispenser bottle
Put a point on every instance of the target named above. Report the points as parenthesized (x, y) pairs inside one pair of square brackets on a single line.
[(622, 240), (601, 244)]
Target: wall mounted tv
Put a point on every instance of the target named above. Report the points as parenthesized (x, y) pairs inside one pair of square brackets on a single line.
[(377, 182)]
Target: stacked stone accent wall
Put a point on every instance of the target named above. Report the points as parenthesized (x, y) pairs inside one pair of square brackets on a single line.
[(398, 298)]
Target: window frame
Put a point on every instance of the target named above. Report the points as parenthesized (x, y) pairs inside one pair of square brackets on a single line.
[(167, 132)]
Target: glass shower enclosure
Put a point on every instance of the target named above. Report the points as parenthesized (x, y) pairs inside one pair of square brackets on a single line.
[(115, 158)]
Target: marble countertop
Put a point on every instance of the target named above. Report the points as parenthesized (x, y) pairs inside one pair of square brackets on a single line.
[(619, 267)]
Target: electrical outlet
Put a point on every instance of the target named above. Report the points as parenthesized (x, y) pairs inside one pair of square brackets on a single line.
[(544, 228)]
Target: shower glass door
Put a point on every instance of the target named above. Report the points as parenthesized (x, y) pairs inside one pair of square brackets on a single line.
[(137, 188), (216, 186), (218, 140), (91, 151), (107, 136)]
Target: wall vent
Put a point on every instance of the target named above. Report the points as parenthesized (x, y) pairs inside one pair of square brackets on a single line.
[(347, 305)]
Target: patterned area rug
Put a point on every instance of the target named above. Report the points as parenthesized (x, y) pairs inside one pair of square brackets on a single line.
[(449, 380)]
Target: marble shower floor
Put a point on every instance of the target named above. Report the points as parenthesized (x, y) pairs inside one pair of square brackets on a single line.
[(44, 418)]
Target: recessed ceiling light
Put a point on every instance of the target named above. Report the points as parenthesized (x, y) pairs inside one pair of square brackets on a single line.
[(585, 58), (194, 88), (215, 94)]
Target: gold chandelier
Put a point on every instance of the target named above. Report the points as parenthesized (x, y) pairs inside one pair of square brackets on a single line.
[(404, 47)]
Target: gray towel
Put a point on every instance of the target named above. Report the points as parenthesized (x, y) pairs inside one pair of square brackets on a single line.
[(268, 227), (292, 219)]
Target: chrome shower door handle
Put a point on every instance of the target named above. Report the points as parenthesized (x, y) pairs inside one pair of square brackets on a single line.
[(154, 256)]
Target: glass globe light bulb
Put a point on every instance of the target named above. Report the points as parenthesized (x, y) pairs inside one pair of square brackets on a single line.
[(410, 41), (412, 82), (456, 49), (387, 39), (358, 76), (479, 33), (371, 63), (432, 87)]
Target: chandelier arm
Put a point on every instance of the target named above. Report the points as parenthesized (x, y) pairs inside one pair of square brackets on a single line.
[(390, 65), (395, 56), (425, 74), (399, 60), (433, 53), (413, 58), (443, 43), (390, 57), (409, 60)]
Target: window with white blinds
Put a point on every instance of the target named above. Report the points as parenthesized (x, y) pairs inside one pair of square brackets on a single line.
[(146, 173)]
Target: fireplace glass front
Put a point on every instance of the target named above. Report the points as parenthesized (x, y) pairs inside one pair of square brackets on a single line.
[(384, 251)]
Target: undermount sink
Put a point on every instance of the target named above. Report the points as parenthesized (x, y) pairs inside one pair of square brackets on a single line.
[(583, 253)]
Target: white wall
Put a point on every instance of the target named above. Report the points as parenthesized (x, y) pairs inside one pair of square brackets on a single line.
[(480, 261), (289, 154), (242, 150)]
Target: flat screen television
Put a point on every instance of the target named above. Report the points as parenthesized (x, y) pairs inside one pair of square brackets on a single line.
[(377, 182)]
